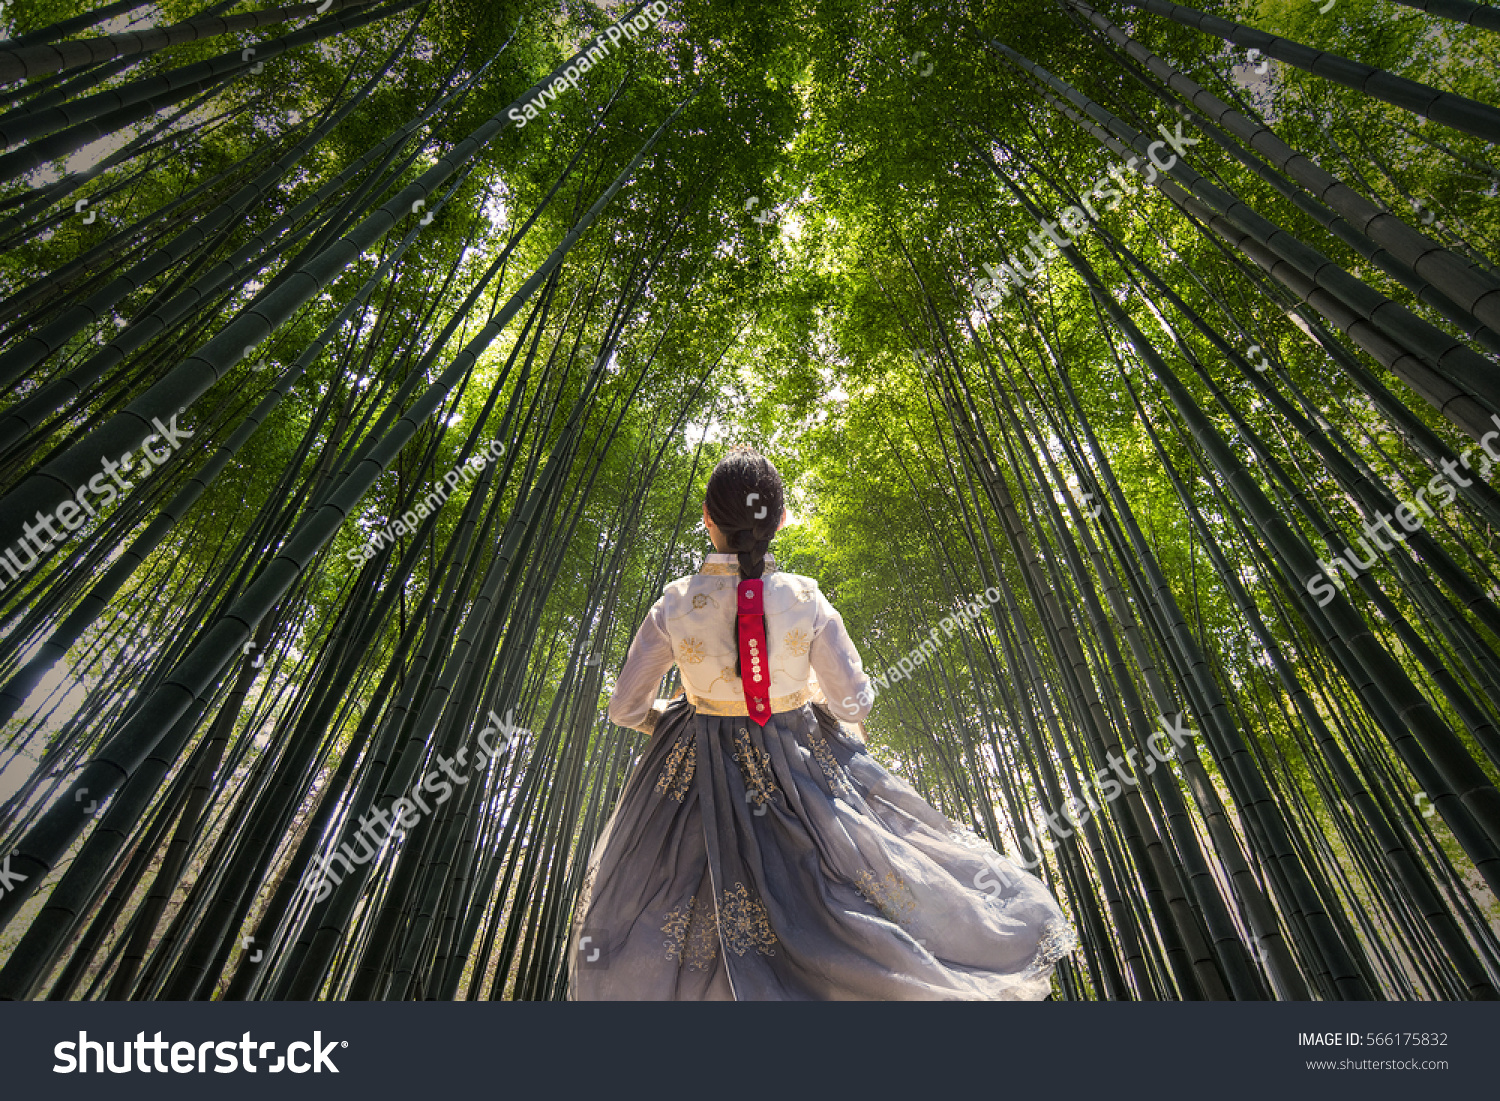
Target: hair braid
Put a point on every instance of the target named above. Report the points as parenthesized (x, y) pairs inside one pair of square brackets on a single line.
[(745, 499)]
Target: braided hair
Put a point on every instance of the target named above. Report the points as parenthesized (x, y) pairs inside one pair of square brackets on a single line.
[(745, 500)]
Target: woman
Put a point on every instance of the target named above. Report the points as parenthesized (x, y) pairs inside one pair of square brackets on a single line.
[(758, 851)]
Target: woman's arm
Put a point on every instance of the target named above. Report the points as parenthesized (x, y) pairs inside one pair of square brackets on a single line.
[(837, 666), (633, 704)]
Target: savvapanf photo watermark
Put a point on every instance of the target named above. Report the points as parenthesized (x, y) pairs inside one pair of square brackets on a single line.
[(948, 624), (406, 523), (600, 50)]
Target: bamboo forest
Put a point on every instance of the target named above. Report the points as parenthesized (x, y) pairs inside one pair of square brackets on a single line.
[(1133, 369)]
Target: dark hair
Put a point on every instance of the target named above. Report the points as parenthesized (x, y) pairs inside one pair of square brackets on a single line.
[(744, 498)]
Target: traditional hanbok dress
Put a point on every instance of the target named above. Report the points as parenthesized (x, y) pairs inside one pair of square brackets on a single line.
[(782, 861)]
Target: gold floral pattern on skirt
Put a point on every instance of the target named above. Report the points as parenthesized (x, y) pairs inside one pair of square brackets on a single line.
[(693, 930), (690, 651), (694, 934), (745, 923), (755, 767), (890, 895), (677, 772), (823, 753)]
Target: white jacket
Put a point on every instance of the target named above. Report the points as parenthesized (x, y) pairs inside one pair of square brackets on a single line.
[(810, 655)]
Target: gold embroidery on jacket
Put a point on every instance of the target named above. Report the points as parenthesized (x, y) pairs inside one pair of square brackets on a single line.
[(796, 642), (705, 705), (694, 933), (889, 895), (677, 773), (745, 923), (755, 767), (691, 651), (701, 599), (726, 675)]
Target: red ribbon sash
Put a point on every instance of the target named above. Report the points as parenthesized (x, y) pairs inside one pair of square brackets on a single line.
[(755, 670)]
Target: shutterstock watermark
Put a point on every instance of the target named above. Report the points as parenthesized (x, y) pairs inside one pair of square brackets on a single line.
[(73, 514), (1409, 514), (8, 878), (907, 665), (404, 813), (1078, 810), (1075, 221), (406, 523), (600, 50), (73, 1056)]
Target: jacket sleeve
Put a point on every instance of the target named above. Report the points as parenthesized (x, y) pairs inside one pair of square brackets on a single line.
[(837, 666), (633, 703)]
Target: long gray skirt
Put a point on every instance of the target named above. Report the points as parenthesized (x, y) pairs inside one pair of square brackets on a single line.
[(785, 863)]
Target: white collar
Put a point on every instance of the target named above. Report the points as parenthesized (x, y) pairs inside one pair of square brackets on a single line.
[(729, 562)]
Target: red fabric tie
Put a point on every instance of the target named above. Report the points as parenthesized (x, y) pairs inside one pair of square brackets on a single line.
[(755, 670)]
